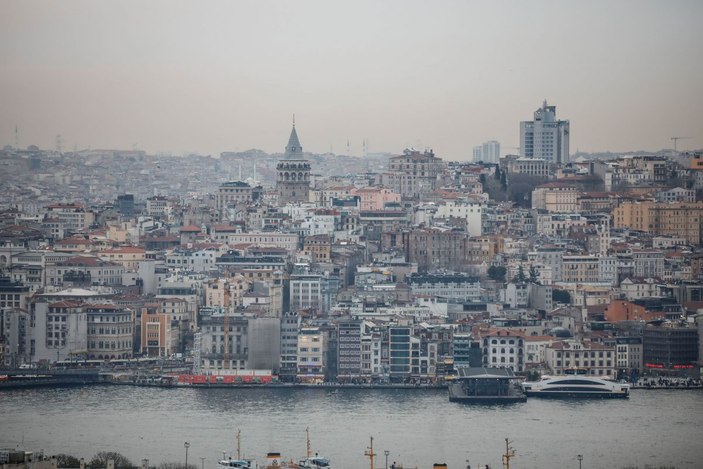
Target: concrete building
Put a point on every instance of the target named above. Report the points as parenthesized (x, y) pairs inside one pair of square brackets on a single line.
[(264, 340), (455, 286), (58, 332), (629, 355), (503, 348), (413, 173), (349, 349), (157, 336), (529, 166), (375, 198), (312, 355), (404, 353), (110, 331), (290, 328), (678, 219), (232, 193), (469, 211), (487, 152), (73, 217), (590, 358), (670, 346), (555, 197), (545, 137)]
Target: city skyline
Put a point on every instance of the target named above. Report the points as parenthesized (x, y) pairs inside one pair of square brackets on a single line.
[(179, 77)]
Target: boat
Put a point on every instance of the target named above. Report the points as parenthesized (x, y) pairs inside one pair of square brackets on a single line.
[(239, 463), (315, 462), (312, 462), (575, 386), (236, 464), (484, 385)]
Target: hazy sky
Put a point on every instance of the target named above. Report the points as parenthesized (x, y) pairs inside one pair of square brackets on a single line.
[(208, 77)]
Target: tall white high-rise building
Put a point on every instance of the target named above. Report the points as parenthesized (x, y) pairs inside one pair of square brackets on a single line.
[(545, 137), (488, 152)]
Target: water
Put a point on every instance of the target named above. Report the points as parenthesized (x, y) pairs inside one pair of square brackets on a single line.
[(418, 427)]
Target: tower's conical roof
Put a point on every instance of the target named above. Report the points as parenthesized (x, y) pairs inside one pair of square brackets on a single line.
[(294, 151)]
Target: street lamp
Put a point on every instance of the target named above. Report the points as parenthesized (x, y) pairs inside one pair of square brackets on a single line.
[(579, 457), (202, 463), (386, 452), (186, 445)]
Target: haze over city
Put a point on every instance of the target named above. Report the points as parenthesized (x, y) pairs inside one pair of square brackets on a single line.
[(183, 77)]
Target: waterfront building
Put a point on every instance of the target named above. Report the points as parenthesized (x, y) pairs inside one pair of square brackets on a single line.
[(58, 331), (110, 331), (404, 352), (465, 350), (629, 355), (545, 137), (224, 342), (572, 356), (264, 343), (290, 327), (349, 349), (312, 355), (156, 335), (670, 346), (535, 347), (503, 348), (14, 336)]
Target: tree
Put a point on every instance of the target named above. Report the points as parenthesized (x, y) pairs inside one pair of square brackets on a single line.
[(66, 460), (561, 296), (100, 460), (520, 277), (533, 275), (497, 273)]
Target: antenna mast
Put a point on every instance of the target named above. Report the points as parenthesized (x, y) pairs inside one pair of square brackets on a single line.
[(239, 453), (307, 438), (370, 454), (509, 454)]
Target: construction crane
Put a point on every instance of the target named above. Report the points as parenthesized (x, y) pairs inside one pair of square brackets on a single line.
[(676, 140)]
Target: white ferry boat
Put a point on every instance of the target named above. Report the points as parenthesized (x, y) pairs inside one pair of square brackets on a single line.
[(236, 464), (575, 386)]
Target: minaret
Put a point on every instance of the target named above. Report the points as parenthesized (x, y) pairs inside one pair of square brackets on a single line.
[(293, 181)]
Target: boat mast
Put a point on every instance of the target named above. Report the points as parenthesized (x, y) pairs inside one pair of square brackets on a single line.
[(370, 454), (307, 438), (239, 433), (509, 454)]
